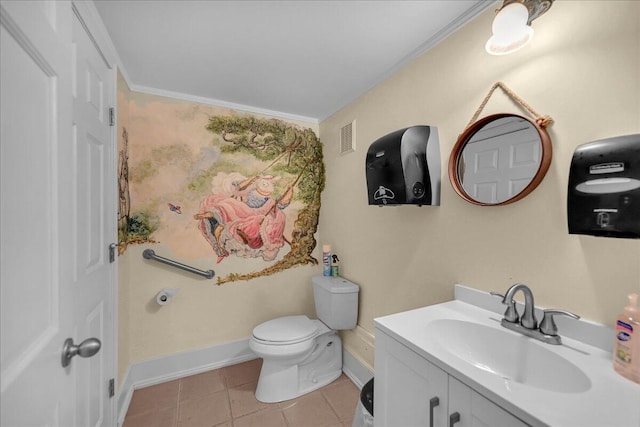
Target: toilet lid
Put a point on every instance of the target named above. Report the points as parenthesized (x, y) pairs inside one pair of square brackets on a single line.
[(288, 329)]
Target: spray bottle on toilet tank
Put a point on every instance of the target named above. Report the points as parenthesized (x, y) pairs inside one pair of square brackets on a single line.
[(326, 260)]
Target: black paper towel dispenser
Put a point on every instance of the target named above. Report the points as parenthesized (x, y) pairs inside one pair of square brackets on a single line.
[(604, 188), (403, 168)]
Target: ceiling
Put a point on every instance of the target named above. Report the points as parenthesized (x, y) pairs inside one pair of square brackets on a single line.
[(299, 59)]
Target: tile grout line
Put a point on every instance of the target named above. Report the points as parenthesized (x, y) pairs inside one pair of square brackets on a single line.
[(178, 403), (231, 417), (325, 392), (284, 417), (330, 406)]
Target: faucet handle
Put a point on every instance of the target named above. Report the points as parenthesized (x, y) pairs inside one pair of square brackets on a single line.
[(548, 325), (510, 314)]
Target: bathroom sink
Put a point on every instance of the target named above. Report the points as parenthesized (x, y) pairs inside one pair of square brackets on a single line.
[(514, 357)]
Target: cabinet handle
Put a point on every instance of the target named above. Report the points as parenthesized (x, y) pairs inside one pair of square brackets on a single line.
[(432, 404), (454, 418)]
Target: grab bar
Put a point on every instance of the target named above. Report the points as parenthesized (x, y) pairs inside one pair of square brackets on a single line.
[(150, 254)]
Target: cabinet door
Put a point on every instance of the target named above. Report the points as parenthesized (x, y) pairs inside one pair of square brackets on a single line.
[(475, 410), (405, 386)]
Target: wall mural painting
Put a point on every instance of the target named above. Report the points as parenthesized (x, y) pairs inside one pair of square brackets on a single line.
[(253, 192), (136, 228)]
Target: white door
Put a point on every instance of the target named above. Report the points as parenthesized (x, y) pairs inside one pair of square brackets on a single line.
[(94, 218), (57, 208), (501, 159)]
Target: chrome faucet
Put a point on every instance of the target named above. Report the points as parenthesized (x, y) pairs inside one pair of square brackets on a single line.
[(527, 324), (528, 319)]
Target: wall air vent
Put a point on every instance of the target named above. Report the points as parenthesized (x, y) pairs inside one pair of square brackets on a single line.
[(348, 138)]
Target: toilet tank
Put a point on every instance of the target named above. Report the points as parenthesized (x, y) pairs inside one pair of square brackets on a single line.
[(336, 301)]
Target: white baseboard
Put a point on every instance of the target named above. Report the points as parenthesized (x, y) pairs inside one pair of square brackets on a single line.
[(356, 371), (178, 365)]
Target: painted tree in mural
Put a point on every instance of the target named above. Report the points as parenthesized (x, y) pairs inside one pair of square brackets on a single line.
[(247, 218), (136, 227)]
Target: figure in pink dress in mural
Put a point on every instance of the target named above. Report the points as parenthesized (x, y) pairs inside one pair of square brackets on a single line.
[(243, 217)]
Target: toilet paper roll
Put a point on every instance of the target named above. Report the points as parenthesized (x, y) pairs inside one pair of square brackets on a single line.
[(164, 296)]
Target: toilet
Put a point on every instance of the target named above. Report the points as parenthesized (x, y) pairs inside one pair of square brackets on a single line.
[(299, 354)]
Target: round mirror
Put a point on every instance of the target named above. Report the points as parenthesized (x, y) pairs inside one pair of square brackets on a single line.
[(499, 160)]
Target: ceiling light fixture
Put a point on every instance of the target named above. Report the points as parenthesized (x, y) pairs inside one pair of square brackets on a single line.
[(512, 25)]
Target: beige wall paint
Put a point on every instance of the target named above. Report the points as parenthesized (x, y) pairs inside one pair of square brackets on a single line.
[(582, 69), (203, 314)]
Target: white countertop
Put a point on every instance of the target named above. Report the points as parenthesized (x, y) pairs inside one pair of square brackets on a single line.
[(611, 401)]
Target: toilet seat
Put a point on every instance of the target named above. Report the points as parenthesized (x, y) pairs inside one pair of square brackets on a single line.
[(286, 330)]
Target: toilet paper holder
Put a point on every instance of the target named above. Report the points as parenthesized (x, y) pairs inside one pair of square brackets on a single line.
[(164, 296)]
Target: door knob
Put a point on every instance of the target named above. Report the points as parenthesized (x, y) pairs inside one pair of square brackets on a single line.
[(86, 348)]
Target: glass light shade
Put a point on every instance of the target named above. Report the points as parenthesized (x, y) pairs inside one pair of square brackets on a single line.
[(510, 30)]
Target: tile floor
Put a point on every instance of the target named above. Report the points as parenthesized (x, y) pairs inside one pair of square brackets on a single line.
[(225, 398)]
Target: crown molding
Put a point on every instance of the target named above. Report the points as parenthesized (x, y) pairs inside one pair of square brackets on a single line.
[(445, 32), (89, 16), (219, 103)]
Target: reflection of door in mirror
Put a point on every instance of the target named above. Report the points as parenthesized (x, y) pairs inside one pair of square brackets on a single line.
[(500, 160)]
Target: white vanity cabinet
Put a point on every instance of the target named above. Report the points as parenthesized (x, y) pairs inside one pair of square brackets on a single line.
[(410, 391), (475, 410)]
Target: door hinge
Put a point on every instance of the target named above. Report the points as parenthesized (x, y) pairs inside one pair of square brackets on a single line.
[(112, 116), (112, 252), (112, 387)]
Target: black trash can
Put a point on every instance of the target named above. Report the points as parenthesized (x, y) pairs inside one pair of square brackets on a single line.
[(364, 411)]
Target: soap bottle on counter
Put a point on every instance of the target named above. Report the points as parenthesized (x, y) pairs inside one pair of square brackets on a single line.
[(626, 349)]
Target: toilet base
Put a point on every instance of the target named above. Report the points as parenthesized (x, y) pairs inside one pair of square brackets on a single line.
[(279, 382)]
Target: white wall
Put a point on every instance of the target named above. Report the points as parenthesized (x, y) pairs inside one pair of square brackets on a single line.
[(582, 69)]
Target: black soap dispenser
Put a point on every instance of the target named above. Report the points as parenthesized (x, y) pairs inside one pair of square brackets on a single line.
[(604, 188)]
